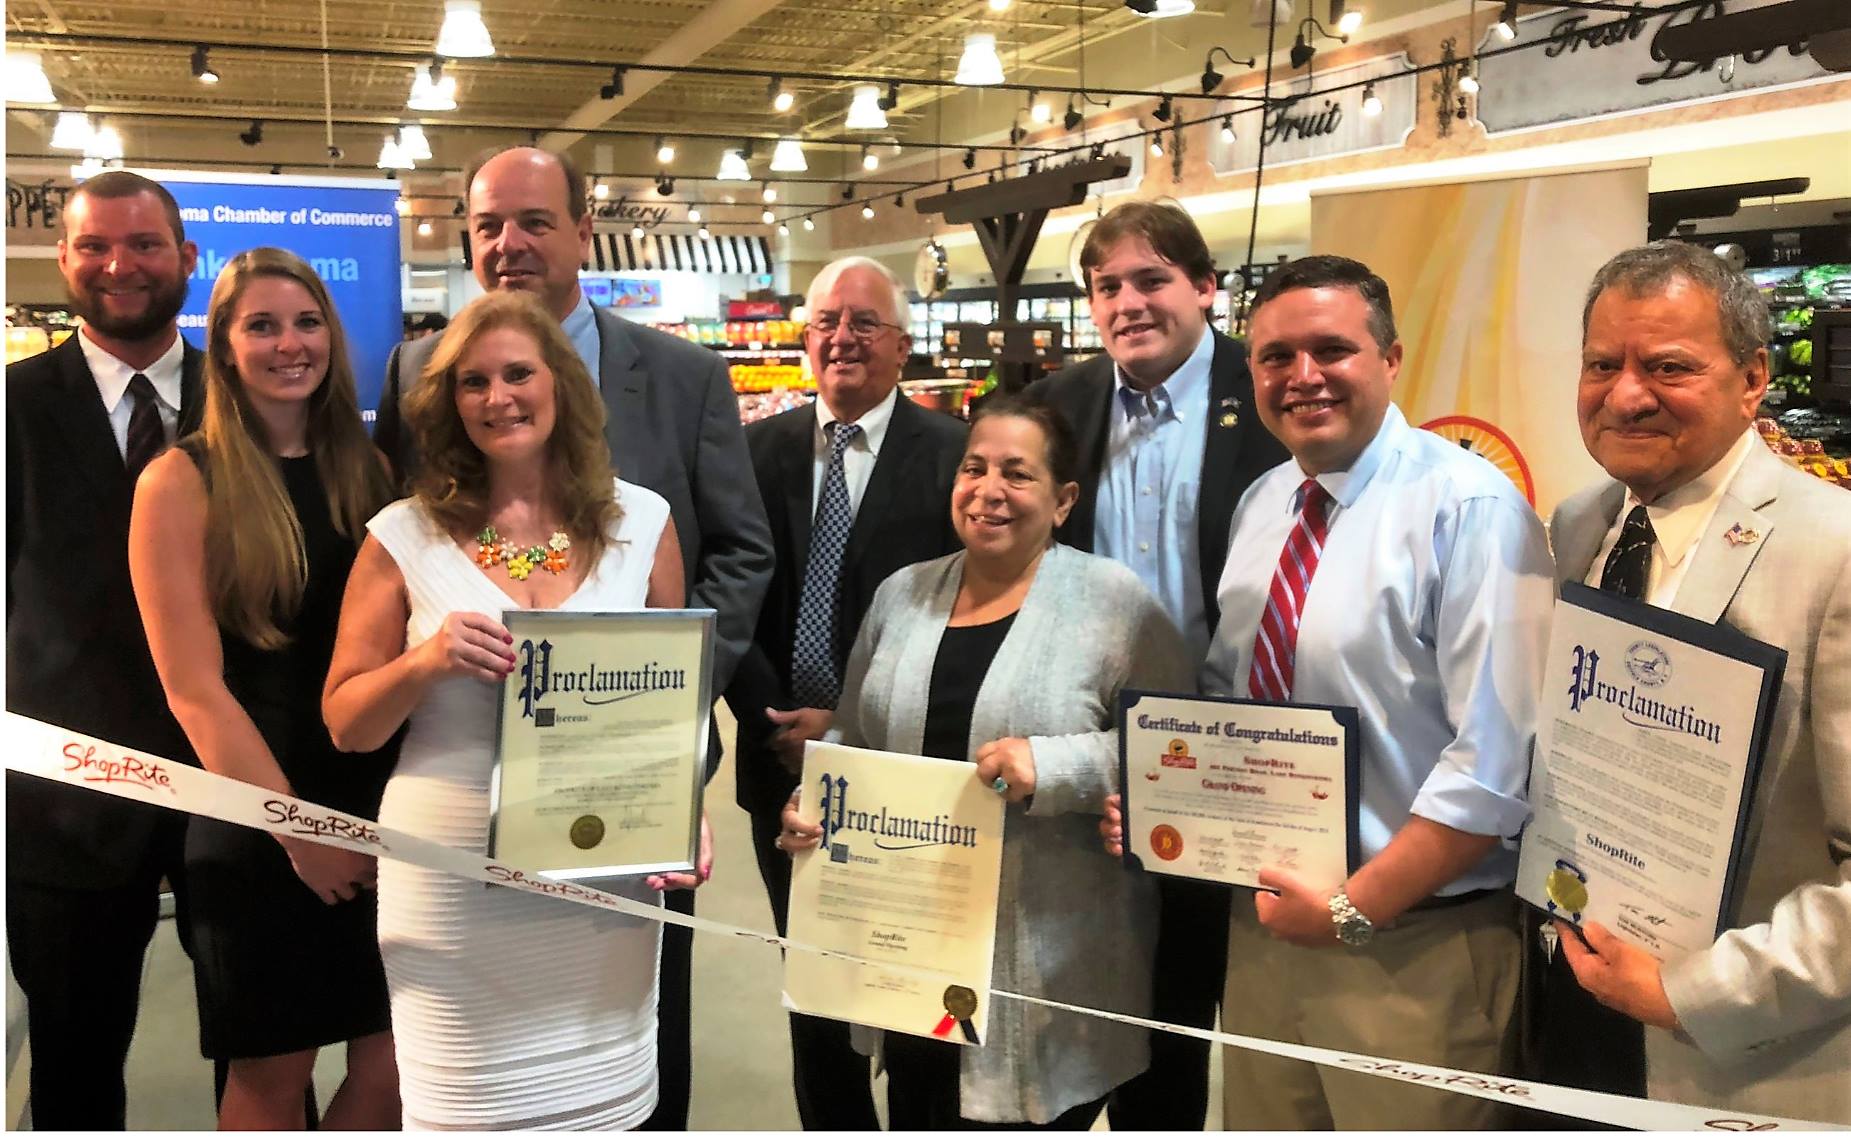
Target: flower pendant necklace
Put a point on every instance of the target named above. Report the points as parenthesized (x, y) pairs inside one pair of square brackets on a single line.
[(492, 550)]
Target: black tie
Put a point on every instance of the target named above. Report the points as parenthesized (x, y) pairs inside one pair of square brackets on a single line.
[(1630, 561), (147, 436)]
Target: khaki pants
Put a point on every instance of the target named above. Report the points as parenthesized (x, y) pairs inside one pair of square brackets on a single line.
[(1439, 987)]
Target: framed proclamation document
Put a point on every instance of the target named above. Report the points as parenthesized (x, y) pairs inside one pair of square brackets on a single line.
[(1649, 742), (906, 880), (601, 743), (1218, 788)]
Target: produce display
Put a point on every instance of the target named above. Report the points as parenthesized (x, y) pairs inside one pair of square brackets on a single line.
[(1808, 456)]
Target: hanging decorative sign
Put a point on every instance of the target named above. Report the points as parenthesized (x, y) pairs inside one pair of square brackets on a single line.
[(630, 207), (1118, 139), (1594, 65), (1306, 125), (35, 207)]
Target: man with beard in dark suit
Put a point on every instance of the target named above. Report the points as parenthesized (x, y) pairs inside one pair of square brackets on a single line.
[(857, 485), (83, 870), (1169, 441)]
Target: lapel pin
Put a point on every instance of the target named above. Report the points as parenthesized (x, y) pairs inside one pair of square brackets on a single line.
[(1737, 535), (1229, 414)]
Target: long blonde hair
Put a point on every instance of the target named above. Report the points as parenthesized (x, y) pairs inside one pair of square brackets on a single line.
[(452, 484), (256, 567)]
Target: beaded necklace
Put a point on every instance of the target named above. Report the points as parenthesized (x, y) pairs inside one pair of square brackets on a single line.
[(492, 550)]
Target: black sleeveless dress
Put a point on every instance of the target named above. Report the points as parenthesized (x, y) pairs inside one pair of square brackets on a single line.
[(276, 970)]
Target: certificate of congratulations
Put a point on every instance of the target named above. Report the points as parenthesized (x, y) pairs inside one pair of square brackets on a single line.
[(906, 876), (601, 742), (1218, 788), (1649, 742)]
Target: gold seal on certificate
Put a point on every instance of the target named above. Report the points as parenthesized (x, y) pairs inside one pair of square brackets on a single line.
[(601, 749), (1216, 788)]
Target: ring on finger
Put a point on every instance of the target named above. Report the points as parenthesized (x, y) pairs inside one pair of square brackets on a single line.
[(1001, 785)]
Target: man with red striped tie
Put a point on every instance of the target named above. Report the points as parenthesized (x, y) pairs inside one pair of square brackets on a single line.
[(1385, 569)]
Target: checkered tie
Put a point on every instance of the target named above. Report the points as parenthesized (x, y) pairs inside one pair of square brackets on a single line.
[(1276, 647), (814, 679)]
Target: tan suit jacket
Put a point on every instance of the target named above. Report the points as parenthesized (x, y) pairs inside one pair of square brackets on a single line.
[(1766, 1010)]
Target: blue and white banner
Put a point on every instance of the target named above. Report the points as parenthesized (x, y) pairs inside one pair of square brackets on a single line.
[(347, 229)]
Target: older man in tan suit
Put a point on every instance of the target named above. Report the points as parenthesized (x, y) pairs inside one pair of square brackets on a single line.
[(1700, 517)]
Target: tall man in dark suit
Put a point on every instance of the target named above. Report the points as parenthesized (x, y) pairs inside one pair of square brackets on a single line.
[(1169, 439), (83, 871), (673, 427), (857, 485)]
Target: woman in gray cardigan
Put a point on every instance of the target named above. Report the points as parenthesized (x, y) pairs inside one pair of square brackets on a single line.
[(1011, 653)]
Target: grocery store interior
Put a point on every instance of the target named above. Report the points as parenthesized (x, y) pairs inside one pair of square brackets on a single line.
[(734, 147)]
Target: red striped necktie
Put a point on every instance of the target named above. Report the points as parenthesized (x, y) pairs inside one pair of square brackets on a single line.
[(1276, 647)]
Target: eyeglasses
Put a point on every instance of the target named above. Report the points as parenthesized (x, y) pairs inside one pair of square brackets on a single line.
[(862, 326)]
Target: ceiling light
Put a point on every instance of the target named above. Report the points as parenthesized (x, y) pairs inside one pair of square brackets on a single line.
[(636, 232), (402, 205), (429, 93), (1506, 27), (1211, 78), (702, 234), (1165, 108), (464, 35), (781, 100), (1372, 104), (869, 160), (809, 223), (424, 229), (83, 170), (1161, 9), (1039, 111), (890, 100), (788, 156), (769, 194), (1344, 18), (867, 210), (970, 159), (392, 156), (1016, 133), (694, 214), (1227, 130), (105, 144), (614, 88), (600, 191), (665, 151), (25, 79), (848, 191), (999, 5), (1156, 147), (202, 69), (767, 217), (1071, 120), (1468, 82), (458, 210), (73, 131), (864, 111), (417, 147), (252, 135), (900, 199), (783, 230), (979, 66), (733, 168), (1302, 51), (665, 186)]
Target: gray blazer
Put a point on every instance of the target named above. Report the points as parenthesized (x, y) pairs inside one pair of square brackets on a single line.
[(672, 422), (1767, 1009), (1072, 923)]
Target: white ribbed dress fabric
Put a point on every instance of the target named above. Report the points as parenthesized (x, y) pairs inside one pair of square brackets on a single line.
[(509, 1010)]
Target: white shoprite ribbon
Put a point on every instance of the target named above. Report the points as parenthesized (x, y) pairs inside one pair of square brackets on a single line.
[(44, 750)]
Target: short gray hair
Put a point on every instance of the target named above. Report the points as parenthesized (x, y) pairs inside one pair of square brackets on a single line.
[(827, 276), (1650, 269)]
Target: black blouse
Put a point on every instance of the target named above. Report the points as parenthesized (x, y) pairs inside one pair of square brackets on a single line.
[(964, 657)]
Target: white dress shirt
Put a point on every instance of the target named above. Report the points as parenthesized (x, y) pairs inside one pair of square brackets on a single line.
[(1679, 518), (1428, 613), (112, 383), (858, 460)]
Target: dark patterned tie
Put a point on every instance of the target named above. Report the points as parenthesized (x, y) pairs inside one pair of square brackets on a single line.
[(1629, 564), (814, 680), (147, 436)]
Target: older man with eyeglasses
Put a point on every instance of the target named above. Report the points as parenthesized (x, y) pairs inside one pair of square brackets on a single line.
[(856, 485)]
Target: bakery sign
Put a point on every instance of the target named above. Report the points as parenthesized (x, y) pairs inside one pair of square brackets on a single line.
[(1306, 124), (1579, 65)]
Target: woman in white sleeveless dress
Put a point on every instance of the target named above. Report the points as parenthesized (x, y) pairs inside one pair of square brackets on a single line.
[(511, 1011)]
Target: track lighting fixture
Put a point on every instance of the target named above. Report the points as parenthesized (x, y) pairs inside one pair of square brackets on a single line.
[(202, 68), (1211, 78), (890, 100), (848, 191), (1302, 51), (781, 100), (253, 136), (1016, 134), (463, 34), (900, 199), (867, 210), (402, 205), (431, 89), (665, 186), (459, 209), (1161, 9), (614, 88), (767, 217), (869, 160), (1227, 130), (788, 156), (1345, 18), (1468, 79), (1506, 27), (768, 193), (970, 159), (601, 191), (1071, 120), (1039, 110), (702, 234), (694, 214), (665, 151), (809, 223), (636, 232), (276, 168), (1156, 146), (1372, 104), (1166, 107), (1098, 150), (425, 229), (784, 231), (864, 110)]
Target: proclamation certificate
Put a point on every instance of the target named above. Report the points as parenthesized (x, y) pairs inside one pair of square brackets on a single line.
[(1218, 788), (906, 877), (601, 743), (1649, 741)]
